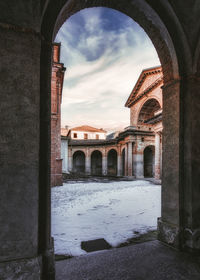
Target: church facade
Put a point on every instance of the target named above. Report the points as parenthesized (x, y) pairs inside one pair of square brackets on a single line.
[(134, 152)]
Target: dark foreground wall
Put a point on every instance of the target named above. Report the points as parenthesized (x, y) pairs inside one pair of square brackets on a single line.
[(19, 144)]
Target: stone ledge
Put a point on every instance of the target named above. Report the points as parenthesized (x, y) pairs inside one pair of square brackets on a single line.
[(23, 269), (168, 233)]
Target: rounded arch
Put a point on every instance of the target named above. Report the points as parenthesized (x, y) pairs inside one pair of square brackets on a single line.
[(112, 162), (147, 110), (138, 10), (96, 162), (149, 161), (79, 162), (155, 20), (113, 148), (78, 150)]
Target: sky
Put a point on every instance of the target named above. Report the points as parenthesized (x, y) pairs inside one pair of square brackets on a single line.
[(104, 52)]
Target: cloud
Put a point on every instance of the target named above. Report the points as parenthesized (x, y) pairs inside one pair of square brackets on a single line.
[(104, 52)]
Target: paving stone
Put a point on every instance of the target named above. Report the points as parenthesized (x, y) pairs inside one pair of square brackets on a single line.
[(147, 261)]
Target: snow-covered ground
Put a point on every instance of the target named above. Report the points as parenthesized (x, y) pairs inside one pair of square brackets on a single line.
[(113, 211)]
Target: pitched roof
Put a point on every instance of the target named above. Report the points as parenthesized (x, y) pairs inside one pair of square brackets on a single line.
[(88, 128), (146, 72)]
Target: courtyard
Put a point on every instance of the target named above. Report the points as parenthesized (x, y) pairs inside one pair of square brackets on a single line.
[(113, 210)]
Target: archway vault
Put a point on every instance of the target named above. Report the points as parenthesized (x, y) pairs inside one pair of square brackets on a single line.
[(138, 10), (147, 110), (149, 20), (157, 22)]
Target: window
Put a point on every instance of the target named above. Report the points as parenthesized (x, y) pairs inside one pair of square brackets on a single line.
[(97, 136), (85, 136), (75, 135)]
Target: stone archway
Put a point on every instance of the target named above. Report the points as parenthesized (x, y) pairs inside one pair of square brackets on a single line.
[(142, 13), (146, 14), (112, 162), (148, 109), (96, 163), (149, 161), (79, 162)]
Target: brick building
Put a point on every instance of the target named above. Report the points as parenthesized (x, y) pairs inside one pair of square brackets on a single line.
[(58, 71), (134, 152)]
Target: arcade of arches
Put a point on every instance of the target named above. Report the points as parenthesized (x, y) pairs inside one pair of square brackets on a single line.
[(27, 31), (134, 152), (107, 161)]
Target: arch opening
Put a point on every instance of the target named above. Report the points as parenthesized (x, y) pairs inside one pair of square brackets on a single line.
[(149, 161), (79, 162), (96, 163), (148, 111), (112, 162), (166, 62)]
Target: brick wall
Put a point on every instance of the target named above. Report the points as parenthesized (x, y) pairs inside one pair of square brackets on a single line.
[(58, 71)]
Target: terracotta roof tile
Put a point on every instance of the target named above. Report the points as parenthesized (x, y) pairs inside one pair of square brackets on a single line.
[(88, 129)]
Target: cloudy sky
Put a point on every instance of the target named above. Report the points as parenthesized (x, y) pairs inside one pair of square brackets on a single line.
[(104, 52)]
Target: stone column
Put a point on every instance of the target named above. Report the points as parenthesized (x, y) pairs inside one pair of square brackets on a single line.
[(64, 154), (88, 163), (119, 160), (126, 160), (70, 160), (130, 158), (190, 164), (157, 155), (138, 161), (104, 165), (161, 155), (25, 150), (169, 223), (119, 165)]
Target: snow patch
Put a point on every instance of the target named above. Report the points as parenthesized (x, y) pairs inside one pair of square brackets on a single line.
[(113, 211)]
